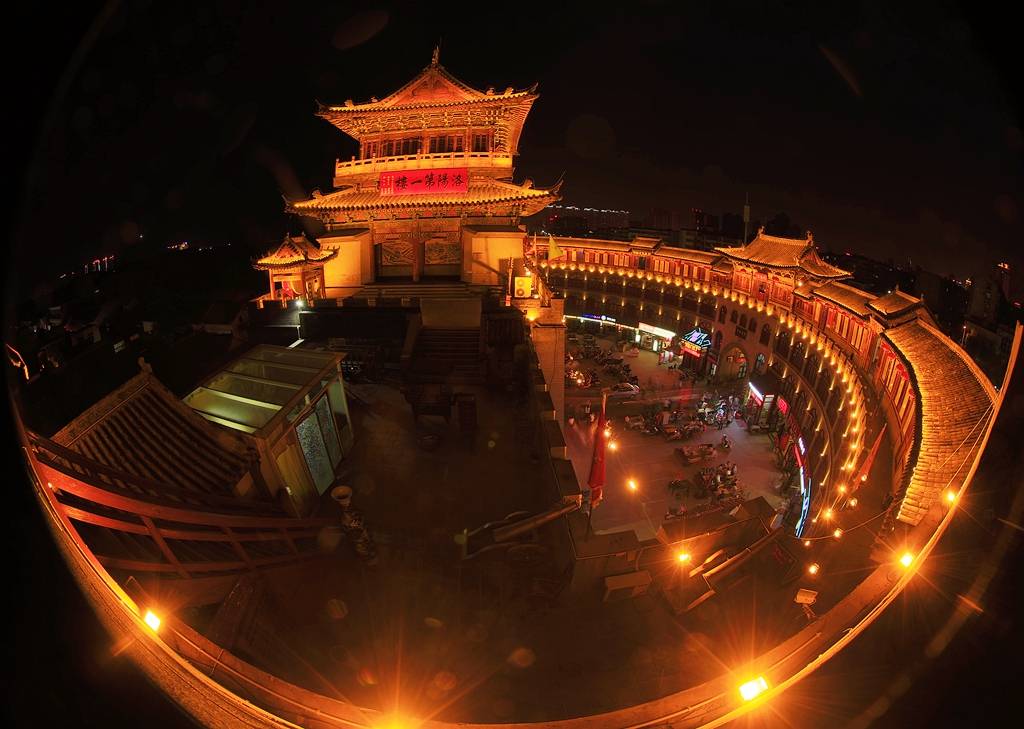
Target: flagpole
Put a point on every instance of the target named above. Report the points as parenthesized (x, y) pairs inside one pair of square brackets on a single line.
[(596, 480)]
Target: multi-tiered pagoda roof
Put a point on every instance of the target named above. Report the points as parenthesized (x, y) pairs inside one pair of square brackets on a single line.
[(784, 254)]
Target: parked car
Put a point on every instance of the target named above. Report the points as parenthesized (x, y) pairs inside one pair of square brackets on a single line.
[(624, 391)]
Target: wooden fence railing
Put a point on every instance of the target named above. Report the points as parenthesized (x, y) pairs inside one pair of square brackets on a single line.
[(181, 537)]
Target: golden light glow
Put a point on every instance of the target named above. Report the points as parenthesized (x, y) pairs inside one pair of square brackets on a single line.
[(906, 559), (807, 542), (837, 533), (394, 722), (950, 497), (828, 513), (683, 557), (632, 484), (152, 620), (752, 689), (613, 445), (813, 568)]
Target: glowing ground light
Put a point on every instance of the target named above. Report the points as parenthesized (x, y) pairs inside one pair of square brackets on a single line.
[(813, 568), (752, 689), (613, 445), (152, 620), (632, 485), (906, 559), (950, 497), (807, 542), (837, 533), (393, 723), (828, 513)]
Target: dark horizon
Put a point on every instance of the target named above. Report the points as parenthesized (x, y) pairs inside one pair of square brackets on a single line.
[(886, 132)]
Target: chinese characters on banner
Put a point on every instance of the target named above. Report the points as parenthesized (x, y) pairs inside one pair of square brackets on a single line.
[(418, 182)]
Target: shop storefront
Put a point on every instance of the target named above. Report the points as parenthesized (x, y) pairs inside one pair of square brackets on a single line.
[(760, 409), (654, 339), (766, 409), (598, 324)]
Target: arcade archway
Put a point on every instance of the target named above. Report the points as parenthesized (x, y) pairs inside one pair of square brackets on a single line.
[(733, 364)]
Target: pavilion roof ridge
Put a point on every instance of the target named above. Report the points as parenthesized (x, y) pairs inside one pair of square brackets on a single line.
[(294, 250), (397, 99)]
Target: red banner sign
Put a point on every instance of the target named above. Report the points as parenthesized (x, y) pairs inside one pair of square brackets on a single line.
[(419, 182)]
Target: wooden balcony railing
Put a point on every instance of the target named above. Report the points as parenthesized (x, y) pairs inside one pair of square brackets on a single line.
[(176, 531), (421, 161)]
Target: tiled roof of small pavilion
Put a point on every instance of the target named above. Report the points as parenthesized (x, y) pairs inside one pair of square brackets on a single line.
[(481, 191), (294, 250), (894, 303), (784, 253), (142, 429), (956, 401), (848, 297)]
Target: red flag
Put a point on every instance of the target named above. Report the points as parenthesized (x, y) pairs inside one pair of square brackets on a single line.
[(596, 481), (866, 466)]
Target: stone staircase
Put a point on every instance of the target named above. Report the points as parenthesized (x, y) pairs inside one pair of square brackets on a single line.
[(447, 355), (409, 293)]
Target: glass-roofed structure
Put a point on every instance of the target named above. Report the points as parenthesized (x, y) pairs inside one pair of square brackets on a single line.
[(291, 404)]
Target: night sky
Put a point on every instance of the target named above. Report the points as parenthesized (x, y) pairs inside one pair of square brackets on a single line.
[(888, 132)]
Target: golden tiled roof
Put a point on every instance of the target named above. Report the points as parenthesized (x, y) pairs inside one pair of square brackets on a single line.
[(689, 254), (955, 401), (143, 430), (433, 86), (294, 250), (848, 297), (480, 191), (784, 253), (893, 303)]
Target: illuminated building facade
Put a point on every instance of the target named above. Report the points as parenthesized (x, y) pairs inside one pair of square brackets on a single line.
[(430, 195), (854, 367)]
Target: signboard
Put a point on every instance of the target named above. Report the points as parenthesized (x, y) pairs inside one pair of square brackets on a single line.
[(419, 182), (805, 502), (595, 317), (696, 340), (657, 331)]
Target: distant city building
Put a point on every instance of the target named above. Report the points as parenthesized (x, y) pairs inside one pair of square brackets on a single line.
[(594, 218), (988, 295), (945, 297), (877, 277)]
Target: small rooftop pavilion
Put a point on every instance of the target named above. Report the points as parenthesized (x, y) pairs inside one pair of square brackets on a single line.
[(291, 403)]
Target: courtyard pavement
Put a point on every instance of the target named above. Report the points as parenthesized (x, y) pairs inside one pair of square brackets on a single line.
[(652, 462), (465, 641)]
